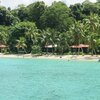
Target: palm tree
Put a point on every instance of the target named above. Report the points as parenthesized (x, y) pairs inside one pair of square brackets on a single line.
[(77, 33), (47, 37), (21, 44), (32, 35), (93, 25), (3, 36)]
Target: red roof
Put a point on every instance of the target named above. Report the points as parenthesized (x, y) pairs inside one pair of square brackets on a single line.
[(83, 46), (3, 46), (80, 46)]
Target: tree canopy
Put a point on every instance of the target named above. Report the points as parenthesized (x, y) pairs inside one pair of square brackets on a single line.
[(36, 25)]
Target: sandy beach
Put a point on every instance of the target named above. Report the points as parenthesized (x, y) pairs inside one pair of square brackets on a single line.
[(66, 57)]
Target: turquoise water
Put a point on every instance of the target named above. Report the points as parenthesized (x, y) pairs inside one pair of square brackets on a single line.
[(41, 79)]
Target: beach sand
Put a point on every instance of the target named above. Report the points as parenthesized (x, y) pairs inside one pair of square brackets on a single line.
[(66, 57)]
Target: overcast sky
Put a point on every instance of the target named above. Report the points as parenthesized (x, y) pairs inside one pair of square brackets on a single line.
[(15, 3)]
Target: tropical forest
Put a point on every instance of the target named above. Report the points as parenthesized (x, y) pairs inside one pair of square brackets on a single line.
[(58, 28)]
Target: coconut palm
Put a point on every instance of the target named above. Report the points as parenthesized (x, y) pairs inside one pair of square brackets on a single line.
[(93, 25), (63, 40), (47, 37), (77, 33), (32, 35), (21, 44), (3, 35)]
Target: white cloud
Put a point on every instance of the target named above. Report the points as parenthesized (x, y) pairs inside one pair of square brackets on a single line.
[(76, 1), (49, 2), (15, 3)]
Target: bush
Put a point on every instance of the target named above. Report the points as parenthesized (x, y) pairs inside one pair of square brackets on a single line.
[(36, 49), (69, 53), (5, 51), (81, 53)]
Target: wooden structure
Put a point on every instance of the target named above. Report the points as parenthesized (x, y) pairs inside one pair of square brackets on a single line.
[(80, 47), (2, 47), (50, 48)]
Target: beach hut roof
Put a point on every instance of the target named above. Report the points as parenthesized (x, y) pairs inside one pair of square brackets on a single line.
[(3, 46), (83, 45), (51, 46), (80, 46)]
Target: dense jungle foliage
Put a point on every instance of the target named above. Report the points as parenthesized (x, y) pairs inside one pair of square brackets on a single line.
[(31, 28)]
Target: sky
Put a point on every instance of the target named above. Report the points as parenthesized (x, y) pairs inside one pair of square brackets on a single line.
[(14, 3)]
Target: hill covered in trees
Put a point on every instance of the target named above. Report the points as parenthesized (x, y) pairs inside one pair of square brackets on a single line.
[(33, 27)]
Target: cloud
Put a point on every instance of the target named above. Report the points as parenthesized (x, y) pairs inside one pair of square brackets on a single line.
[(15, 3), (68, 2), (49, 2)]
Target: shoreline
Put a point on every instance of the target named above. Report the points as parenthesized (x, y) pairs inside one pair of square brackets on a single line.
[(65, 57)]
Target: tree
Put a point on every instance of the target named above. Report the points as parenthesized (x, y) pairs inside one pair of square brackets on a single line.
[(93, 25), (22, 13), (57, 24), (47, 37), (76, 11), (22, 29), (78, 34), (98, 1), (4, 35), (21, 44), (35, 11), (6, 17), (89, 8), (63, 42), (56, 17)]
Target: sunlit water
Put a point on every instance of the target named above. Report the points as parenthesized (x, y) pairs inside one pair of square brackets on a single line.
[(42, 79)]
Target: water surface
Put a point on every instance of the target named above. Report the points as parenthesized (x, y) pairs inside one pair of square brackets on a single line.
[(44, 79)]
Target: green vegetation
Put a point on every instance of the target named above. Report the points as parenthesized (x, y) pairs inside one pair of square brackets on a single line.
[(31, 28)]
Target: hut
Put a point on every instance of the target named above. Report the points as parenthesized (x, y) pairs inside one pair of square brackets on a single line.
[(50, 48), (2, 47), (80, 47)]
